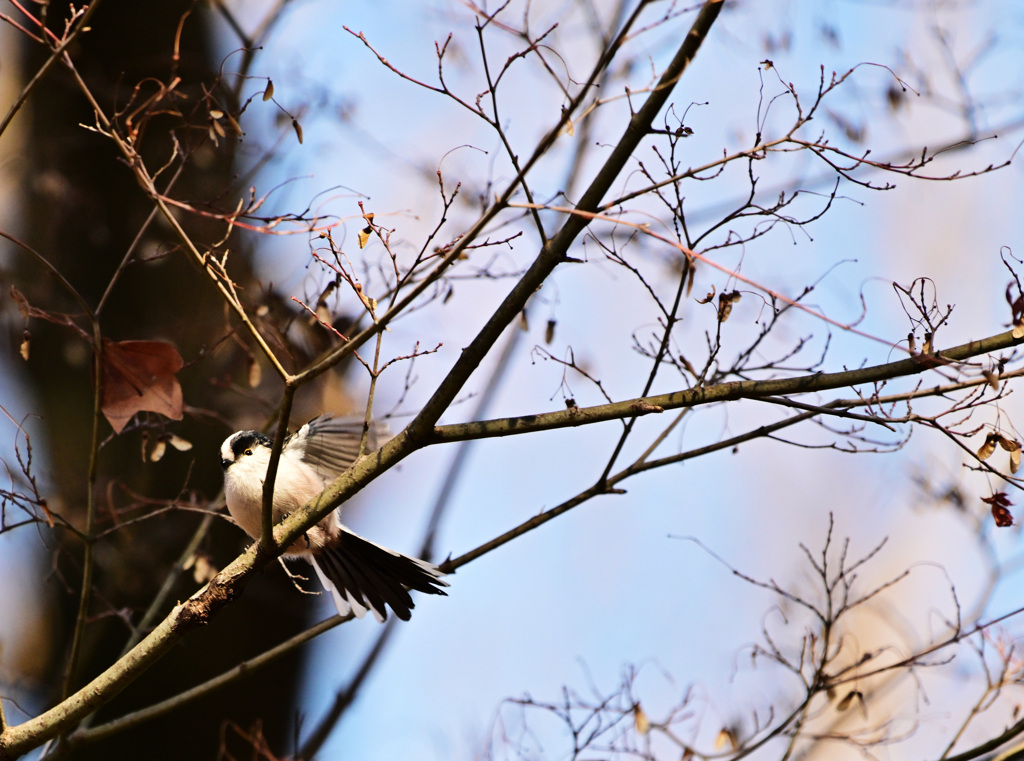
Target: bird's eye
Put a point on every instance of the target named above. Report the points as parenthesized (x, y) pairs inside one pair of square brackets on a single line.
[(248, 451)]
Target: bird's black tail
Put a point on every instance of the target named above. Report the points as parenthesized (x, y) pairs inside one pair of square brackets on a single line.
[(364, 576)]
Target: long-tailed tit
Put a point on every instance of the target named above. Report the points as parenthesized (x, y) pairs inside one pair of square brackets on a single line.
[(360, 575)]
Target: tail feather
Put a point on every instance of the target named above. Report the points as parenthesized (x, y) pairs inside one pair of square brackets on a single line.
[(365, 576)]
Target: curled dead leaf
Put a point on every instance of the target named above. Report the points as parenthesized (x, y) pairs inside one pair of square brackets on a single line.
[(364, 236), (725, 302), (269, 92), (140, 376), (1000, 509), (549, 332), (298, 129), (707, 299)]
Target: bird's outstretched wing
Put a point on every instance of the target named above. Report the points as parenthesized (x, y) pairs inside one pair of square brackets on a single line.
[(330, 445)]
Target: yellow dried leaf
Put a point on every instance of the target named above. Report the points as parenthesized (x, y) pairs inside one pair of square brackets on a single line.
[(725, 738), (269, 92), (986, 449), (158, 451), (182, 445), (640, 720), (364, 236), (233, 123), (255, 372), (1015, 460)]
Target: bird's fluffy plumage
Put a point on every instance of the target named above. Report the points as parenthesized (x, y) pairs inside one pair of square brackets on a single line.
[(360, 574)]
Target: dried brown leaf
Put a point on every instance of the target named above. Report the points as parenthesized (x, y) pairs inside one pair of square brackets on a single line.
[(985, 450), (725, 302), (140, 376), (1000, 509), (255, 372), (549, 332)]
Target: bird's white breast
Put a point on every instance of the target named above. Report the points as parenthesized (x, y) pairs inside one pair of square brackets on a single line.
[(296, 484)]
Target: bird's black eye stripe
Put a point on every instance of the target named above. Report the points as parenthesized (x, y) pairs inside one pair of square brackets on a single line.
[(246, 441)]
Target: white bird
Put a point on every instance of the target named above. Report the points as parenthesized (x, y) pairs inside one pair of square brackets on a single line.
[(360, 575)]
